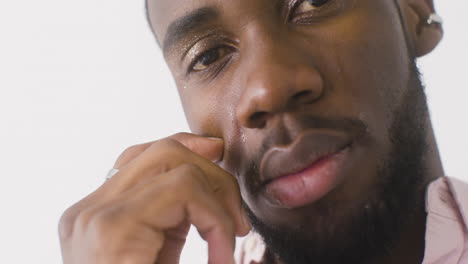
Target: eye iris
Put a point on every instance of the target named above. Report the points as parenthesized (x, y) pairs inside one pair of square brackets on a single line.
[(209, 57), (317, 3)]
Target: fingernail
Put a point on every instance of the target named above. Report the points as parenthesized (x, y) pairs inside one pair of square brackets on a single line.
[(215, 139)]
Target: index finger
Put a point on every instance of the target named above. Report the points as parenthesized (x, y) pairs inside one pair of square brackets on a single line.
[(168, 154), (208, 147)]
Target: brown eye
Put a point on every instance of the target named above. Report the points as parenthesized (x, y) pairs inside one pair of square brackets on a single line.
[(209, 57), (310, 5)]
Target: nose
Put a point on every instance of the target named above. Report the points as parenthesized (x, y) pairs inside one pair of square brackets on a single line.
[(278, 81)]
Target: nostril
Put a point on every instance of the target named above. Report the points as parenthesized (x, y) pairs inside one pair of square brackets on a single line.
[(258, 119), (304, 95)]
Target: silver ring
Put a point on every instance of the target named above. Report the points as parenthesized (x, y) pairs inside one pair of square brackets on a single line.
[(435, 19), (111, 173)]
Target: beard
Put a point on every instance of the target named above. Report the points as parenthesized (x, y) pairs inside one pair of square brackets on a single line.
[(370, 230)]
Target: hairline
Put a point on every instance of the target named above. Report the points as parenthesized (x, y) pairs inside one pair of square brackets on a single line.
[(150, 24)]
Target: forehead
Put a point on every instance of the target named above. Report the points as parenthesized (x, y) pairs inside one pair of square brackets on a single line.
[(163, 13)]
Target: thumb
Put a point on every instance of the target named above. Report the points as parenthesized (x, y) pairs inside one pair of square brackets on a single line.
[(208, 147)]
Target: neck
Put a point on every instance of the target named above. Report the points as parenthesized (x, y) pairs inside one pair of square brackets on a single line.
[(433, 162), (410, 247)]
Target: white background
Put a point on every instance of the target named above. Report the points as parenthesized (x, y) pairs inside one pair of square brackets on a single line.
[(82, 80)]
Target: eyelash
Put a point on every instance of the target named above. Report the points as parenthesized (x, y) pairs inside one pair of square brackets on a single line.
[(325, 10), (295, 4), (199, 57)]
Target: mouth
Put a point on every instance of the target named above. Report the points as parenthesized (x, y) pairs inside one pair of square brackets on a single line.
[(307, 170)]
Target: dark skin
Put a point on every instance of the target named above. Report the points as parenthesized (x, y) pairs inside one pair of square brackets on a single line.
[(328, 62), (253, 73)]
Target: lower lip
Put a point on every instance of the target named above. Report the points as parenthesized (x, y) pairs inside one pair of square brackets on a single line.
[(305, 187)]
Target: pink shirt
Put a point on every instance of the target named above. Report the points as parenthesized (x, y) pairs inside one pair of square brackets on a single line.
[(446, 226)]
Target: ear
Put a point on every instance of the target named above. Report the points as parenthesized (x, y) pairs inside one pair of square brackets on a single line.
[(423, 37)]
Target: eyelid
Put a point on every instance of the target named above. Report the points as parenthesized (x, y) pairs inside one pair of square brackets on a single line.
[(202, 45), (197, 58), (328, 9), (293, 5), (196, 41), (215, 35)]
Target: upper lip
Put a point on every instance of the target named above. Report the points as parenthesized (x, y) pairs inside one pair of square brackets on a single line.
[(310, 147)]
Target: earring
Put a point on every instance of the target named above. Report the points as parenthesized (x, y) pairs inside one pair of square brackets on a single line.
[(434, 19)]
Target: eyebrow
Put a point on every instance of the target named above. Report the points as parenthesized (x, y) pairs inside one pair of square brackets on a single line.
[(188, 23)]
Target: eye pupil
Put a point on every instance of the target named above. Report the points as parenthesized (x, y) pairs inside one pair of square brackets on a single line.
[(317, 2), (209, 57)]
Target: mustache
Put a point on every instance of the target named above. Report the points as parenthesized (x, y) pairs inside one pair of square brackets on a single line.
[(284, 135)]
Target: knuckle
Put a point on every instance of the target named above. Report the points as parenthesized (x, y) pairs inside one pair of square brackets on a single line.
[(182, 183), (66, 223), (102, 222), (74, 219), (130, 153), (107, 228), (190, 169), (181, 135), (167, 144), (232, 184), (227, 226), (186, 178), (168, 149), (83, 219)]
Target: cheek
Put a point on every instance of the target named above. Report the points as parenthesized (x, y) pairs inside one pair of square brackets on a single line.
[(383, 62), (207, 109), (200, 113), (365, 61)]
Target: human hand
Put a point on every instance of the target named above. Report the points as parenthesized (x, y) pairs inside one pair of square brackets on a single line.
[(144, 212)]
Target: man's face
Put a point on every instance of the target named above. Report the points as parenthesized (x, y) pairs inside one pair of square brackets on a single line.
[(293, 85)]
